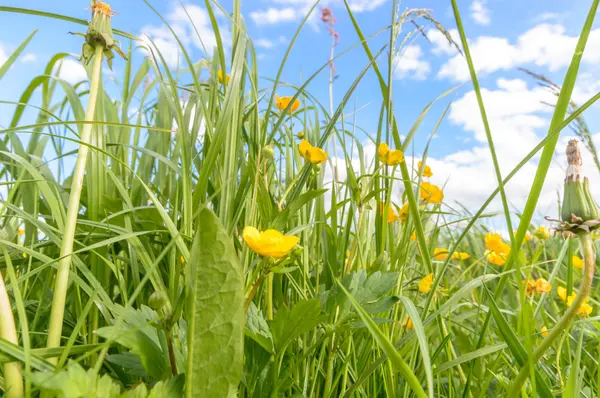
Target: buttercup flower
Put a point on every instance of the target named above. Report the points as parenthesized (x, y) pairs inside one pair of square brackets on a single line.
[(529, 286), (440, 253), (313, 154), (577, 262), (283, 102), (542, 233), (496, 259), (584, 309), (544, 331), (426, 283), (388, 156), (431, 193), (269, 243), (413, 236), (426, 170), (542, 286), (391, 214), (526, 239), (562, 293), (20, 231), (220, 76), (408, 323), (403, 212), (460, 256)]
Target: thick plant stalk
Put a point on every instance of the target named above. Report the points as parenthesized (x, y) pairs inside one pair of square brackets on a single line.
[(66, 248), (565, 321), (13, 380)]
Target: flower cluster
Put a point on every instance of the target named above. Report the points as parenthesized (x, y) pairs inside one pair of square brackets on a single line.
[(540, 286), (498, 250), (584, 309)]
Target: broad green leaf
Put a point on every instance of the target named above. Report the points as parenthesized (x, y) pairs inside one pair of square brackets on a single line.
[(258, 329), (290, 324), (216, 312)]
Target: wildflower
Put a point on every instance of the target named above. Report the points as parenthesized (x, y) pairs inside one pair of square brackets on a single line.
[(220, 76), (269, 243), (460, 256), (526, 239), (413, 236), (313, 154), (25, 255), (496, 258), (408, 323), (181, 260), (577, 262), (584, 309), (20, 231), (403, 212), (542, 233), (100, 33), (529, 286), (544, 331), (542, 286), (431, 193), (562, 293), (426, 283), (440, 253), (391, 214), (426, 170), (388, 156), (283, 102)]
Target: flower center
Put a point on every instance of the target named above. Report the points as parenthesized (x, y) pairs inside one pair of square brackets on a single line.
[(102, 8)]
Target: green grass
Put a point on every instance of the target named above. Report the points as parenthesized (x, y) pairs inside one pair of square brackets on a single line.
[(164, 297)]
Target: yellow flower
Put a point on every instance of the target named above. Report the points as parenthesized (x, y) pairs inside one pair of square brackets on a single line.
[(577, 262), (182, 260), (426, 170), (542, 286), (20, 231), (529, 286), (425, 284), (413, 236), (440, 253), (220, 76), (431, 193), (526, 239), (544, 331), (562, 293), (270, 243), (313, 154), (391, 214), (496, 258), (403, 212), (584, 309), (283, 102), (25, 255), (460, 256), (388, 156), (408, 323), (542, 233)]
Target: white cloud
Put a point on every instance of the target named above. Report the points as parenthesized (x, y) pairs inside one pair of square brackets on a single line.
[(545, 45), (264, 43), (274, 16), (29, 57), (365, 5), (409, 64), (441, 45), (200, 34), (479, 12), (72, 71)]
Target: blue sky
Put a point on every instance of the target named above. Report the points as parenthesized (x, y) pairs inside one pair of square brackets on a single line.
[(504, 35)]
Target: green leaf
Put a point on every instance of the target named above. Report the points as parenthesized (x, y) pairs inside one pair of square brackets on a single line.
[(386, 346), (11, 60), (258, 329), (216, 312), (516, 347), (293, 323), (283, 217)]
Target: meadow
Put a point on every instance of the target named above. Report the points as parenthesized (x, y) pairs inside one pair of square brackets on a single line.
[(194, 235)]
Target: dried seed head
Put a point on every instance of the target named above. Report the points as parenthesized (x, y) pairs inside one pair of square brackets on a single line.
[(574, 160)]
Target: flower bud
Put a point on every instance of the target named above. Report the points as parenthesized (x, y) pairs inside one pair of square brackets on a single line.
[(268, 151), (157, 300), (577, 201), (300, 135)]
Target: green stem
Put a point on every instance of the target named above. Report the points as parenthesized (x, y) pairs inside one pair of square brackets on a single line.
[(66, 249), (563, 323), (270, 296), (13, 380)]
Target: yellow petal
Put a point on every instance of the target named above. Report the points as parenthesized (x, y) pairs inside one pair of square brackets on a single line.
[(383, 151), (317, 155), (304, 148)]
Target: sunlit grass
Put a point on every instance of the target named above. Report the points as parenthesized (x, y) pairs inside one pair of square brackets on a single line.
[(220, 246)]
